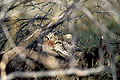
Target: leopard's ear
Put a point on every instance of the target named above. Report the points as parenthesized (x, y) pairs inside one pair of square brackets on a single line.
[(67, 37)]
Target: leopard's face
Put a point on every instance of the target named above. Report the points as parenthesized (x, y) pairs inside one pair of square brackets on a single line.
[(54, 43)]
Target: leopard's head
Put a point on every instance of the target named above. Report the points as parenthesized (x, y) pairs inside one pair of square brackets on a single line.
[(55, 43)]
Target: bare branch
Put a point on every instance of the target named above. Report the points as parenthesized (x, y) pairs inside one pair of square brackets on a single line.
[(57, 72)]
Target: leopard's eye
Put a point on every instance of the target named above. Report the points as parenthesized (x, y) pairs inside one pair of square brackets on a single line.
[(58, 42), (46, 38)]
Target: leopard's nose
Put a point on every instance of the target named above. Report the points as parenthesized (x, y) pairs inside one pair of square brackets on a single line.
[(49, 42)]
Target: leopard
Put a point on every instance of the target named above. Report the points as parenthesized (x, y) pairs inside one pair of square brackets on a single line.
[(56, 48)]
